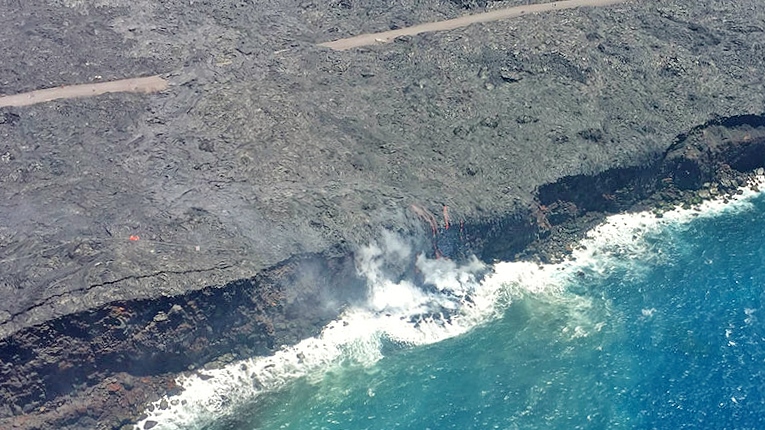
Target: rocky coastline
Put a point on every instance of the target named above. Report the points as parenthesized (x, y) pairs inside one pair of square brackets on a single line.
[(100, 369), (146, 235)]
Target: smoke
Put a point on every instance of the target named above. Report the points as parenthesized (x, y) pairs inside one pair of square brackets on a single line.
[(447, 275), (387, 259), (410, 300), (406, 283)]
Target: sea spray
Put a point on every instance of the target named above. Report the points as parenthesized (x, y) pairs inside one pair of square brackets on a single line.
[(448, 300), (641, 330), (452, 299), (401, 311)]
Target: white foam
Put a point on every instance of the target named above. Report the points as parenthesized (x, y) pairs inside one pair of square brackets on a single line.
[(621, 238), (407, 314), (398, 312)]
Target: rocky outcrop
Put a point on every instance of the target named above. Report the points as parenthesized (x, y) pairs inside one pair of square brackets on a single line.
[(700, 155), (146, 338), (128, 340), (270, 157), (709, 161)]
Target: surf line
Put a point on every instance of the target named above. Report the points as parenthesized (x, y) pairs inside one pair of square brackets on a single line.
[(145, 85), (463, 21), (401, 312)]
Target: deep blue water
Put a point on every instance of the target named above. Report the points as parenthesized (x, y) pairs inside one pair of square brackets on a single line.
[(669, 338)]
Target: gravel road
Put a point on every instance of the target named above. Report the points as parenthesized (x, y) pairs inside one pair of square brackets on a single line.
[(268, 159)]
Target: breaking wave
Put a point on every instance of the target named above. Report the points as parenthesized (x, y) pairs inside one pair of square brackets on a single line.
[(446, 300)]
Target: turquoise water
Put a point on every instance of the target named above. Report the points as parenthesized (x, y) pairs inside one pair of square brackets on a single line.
[(668, 335), (653, 324)]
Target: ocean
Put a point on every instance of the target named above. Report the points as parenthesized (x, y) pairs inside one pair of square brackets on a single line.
[(654, 323)]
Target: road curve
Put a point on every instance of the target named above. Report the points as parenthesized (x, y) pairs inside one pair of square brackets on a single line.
[(149, 84), (463, 21)]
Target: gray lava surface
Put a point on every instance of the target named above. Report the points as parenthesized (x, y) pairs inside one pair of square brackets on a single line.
[(266, 146)]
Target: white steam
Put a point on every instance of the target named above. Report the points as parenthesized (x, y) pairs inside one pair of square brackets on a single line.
[(443, 299)]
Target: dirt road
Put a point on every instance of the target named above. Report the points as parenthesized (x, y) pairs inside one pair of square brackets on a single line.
[(463, 21), (155, 83), (149, 84), (243, 183)]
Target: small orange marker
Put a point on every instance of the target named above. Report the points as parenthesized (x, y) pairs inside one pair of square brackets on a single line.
[(133, 237)]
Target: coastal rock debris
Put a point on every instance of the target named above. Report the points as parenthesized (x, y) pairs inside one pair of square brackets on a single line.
[(446, 242)]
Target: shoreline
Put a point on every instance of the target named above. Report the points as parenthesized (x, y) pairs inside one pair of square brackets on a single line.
[(203, 388), (558, 246), (263, 168), (544, 234)]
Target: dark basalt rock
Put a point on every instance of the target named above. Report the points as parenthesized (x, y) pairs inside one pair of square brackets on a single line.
[(736, 141), (269, 157), (152, 337), (293, 300)]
